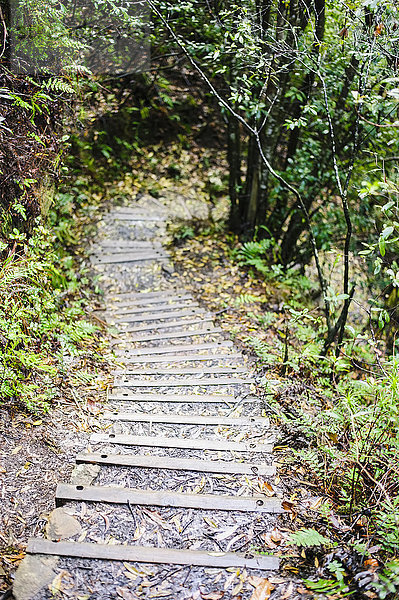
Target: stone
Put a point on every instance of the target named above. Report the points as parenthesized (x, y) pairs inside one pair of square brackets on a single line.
[(61, 525), (34, 573), (84, 474)]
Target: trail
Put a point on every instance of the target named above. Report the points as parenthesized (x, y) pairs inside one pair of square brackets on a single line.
[(173, 493)]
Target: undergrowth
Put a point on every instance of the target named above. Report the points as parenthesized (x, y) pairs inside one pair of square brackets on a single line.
[(44, 294)]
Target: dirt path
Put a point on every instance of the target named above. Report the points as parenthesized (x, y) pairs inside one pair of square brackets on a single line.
[(173, 494)]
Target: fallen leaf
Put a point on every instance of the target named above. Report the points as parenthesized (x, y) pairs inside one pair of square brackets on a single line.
[(276, 536), (268, 489), (316, 503), (262, 590), (125, 594), (229, 581), (238, 588), (212, 596), (288, 592), (371, 562)]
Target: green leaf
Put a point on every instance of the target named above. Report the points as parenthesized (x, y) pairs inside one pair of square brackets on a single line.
[(308, 538)]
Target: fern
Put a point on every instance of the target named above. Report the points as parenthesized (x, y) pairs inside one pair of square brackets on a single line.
[(326, 586), (308, 538), (388, 582), (246, 299), (59, 85)]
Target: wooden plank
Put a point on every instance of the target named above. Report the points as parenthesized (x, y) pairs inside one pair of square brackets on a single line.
[(173, 442), (177, 464), (182, 359), (137, 218), (158, 316), (147, 554), (123, 252), (183, 382), (118, 243), (133, 294), (147, 302), (118, 495), (178, 334), (188, 398), (111, 260), (189, 370), (181, 323), (135, 417), (120, 312), (150, 350)]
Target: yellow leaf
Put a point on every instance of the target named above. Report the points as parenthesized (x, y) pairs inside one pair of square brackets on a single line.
[(263, 590)]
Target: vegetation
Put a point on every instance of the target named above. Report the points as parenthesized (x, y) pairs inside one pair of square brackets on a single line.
[(302, 99)]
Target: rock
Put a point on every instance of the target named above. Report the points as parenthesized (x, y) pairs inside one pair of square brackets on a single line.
[(33, 574), (61, 525), (84, 474)]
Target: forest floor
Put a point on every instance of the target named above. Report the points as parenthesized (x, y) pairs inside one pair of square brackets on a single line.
[(37, 452)]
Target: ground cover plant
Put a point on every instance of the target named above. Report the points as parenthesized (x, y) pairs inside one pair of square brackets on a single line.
[(282, 116)]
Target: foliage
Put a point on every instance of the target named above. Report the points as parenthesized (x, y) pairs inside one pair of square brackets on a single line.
[(41, 326), (308, 538)]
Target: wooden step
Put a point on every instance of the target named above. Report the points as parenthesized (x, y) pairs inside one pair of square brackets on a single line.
[(187, 419), (186, 443), (148, 554), (176, 464), (124, 495)]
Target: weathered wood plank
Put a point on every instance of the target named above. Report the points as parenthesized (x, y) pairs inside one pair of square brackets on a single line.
[(158, 316), (177, 464), (183, 382), (178, 334), (121, 303), (124, 259), (147, 554), (150, 350), (229, 369), (121, 312), (137, 218), (188, 398), (132, 417), (117, 495), (172, 325), (173, 442), (177, 358)]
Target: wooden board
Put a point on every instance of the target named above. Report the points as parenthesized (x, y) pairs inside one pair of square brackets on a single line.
[(121, 312), (119, 243), (147, 554), (172, 325), (119, 495), (187, 398), (176, 371), (177, 464), (166, 298), (183, 382), (150, 350), (137, 417), (178, 334), (160, 316), (137, 218), (122, 259), (173, 442), (132, 294), (176, 358), (126, 252)]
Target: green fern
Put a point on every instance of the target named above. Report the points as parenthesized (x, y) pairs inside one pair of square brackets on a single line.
[(326, 586), (308, 538), (246, 299), (59, 85), (388, 582)]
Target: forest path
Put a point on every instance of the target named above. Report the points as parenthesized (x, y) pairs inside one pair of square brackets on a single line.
[(172, 498)]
